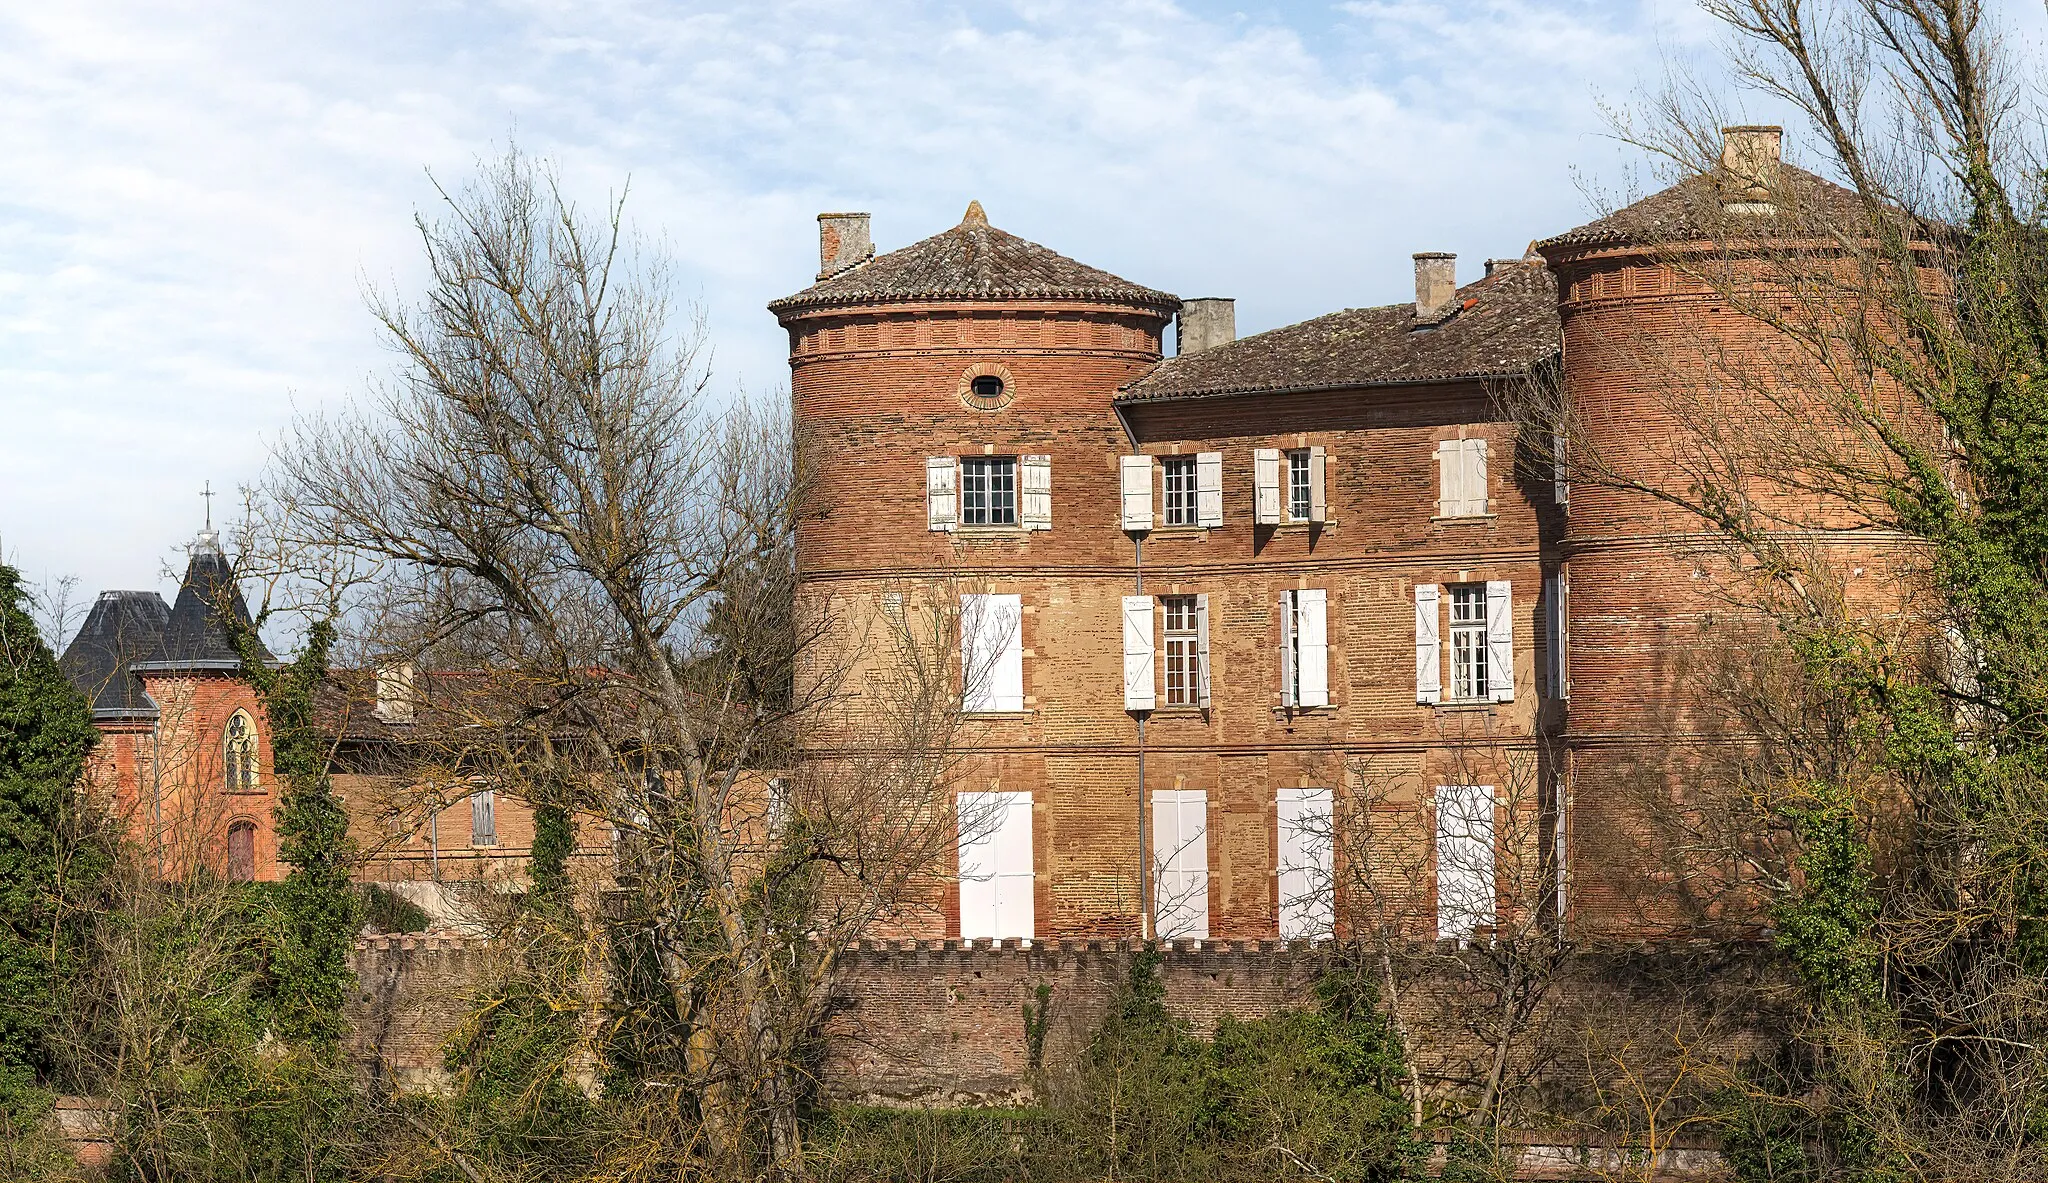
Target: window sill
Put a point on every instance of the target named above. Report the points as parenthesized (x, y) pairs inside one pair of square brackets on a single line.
[(992, 533), (1182, 532), (1181, 712), (1467, 705), (1460, 518), (994, 716), (245, 792)]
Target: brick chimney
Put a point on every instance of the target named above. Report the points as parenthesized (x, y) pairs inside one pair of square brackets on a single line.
[(842, 242), (1749, 165), (1206, 323), (1436, 285)]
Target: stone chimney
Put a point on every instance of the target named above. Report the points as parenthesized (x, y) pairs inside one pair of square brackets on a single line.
[(1205, 324), (1436, 285), (1495, 266), (842, 242), (395, 691), (1749, 166)]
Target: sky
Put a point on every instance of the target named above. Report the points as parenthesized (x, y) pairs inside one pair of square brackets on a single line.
[(194, 198)]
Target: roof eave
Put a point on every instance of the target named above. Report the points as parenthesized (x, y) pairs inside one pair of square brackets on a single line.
[(1129, 400)]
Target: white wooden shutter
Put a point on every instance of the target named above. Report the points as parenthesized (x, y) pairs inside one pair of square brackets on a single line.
[(1500, 640), (1466, 890), (1209, 489), (1034, 481), (1202, 651), (1475, 477), (991, 653), (1139, 694), (1312, 647), (1180, 845), (1560, 484), (1307, 867), (1268, 494), (1134, 474), (1287, 649), (1429, 683), (942, 492), (996, 876), (1553, 634), (1318, 503)]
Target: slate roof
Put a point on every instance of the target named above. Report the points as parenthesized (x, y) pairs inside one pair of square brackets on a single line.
[(1505, 324), (194, 637), (1691, 210), (123, 627), (973, 261)]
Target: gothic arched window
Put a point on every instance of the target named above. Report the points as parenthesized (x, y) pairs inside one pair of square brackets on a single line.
[(238, 753)]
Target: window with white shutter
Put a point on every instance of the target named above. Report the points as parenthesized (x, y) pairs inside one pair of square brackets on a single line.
[(1268, 493), (1553, 632), (1180, 856), (1466, 890), (991, 653), (1461, 477), (1138, 676), (1500, 640), (1134, 477), (1318, 499), (1202, 650), (483, 818), (1034, 485), (1429, 684), (1560, 482), (1183, 640), (1308, 881), (1305, 649), (1177, 474), (1209, 489), (941, 492), (996, 879)]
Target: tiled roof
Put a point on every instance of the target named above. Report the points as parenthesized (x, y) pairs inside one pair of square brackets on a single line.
[(1505, 324), (123, 627), (1691, 210), (973, 261)]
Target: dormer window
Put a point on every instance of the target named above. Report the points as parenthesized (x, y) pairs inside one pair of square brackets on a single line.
[(238, 753)]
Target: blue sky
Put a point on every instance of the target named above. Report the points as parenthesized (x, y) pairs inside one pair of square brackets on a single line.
[(193, 196)]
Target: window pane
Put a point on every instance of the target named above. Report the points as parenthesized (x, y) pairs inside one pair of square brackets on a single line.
[(1180, 490), (988, 490), (1297, 485)]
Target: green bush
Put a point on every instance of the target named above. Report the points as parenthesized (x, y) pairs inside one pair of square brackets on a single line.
[(387, 911)]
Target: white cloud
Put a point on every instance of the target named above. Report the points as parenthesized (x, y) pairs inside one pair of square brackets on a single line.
[(194, 194)]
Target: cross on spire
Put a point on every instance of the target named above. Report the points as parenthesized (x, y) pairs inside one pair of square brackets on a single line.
[(207, 493)]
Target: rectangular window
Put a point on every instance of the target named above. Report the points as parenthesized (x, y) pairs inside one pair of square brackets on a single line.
[(1181, 508), (1469, 673), (1304, 648), (988, 490), (995, 866), (1298, 489), (1180, 857), (1461, 478), (1183, 652), (991, 653), (1308, 880), (483, 818), (1465, 887)]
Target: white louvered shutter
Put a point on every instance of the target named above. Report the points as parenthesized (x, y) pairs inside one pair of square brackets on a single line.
[(1034, 485), (1312, 646), (1500, 640), (1139, 694), (942, 492), (1134, 474), (1429, 683), (991, 653), (1268, 495), (1287, 649), (1180, 844), (1466, 887), (1209, 489), (1202, 651), (1307, 868), (1318, 502)]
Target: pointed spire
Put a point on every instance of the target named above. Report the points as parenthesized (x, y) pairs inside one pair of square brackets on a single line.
[(974, 215)]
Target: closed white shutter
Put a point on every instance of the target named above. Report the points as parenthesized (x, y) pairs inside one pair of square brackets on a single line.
[(1180, 852), (1553, 634), (1500, 640), (1466, 889), (1202, 651), (1287, 649), (1461, 478), (1134, 474), (1138, 677), (1560, 483), (1268, 495), (1209, 489), (996, 876), (483, 818), (1308, 880), (991, 653), (1429, 683), (1475, 477), (1312, 646), (1318, 503), (1034, 482), (942, 492)]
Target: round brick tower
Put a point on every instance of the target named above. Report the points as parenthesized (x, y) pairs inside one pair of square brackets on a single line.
[(907, 369), (1653, 607)]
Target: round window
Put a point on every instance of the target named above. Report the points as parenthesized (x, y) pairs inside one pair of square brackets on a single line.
[(987, 386)]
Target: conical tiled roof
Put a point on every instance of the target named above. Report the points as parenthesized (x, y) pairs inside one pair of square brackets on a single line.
[(1692, 210), (973, 261), (124, 627), (194, 637)]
